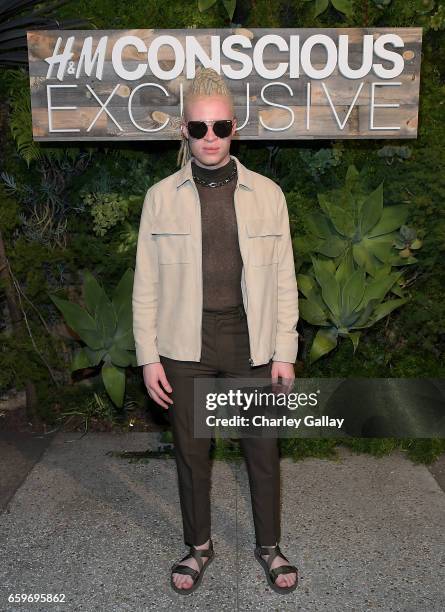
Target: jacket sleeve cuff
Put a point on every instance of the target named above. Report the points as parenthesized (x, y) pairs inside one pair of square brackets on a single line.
[(145, 356), (286, 351)]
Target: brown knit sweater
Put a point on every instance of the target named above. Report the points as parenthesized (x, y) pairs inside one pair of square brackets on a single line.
[(221, 257)]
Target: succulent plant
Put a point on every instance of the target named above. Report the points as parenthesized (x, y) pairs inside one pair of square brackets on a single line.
[(391, 153), (344, 300), (106, 328), (407, 241), (353, 219)]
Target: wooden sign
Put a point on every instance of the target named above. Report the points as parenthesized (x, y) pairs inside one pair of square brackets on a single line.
[(304, 83)]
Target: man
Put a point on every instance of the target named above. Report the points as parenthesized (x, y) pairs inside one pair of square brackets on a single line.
[(215, 294)]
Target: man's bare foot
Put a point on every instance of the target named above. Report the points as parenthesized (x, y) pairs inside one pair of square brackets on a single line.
[(185, 582), (283, 580)]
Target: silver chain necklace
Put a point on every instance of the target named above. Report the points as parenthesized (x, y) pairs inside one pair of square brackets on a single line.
[(219, 183)]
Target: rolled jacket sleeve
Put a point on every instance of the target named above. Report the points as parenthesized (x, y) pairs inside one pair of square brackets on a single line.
[(286, 348), (145, 289)]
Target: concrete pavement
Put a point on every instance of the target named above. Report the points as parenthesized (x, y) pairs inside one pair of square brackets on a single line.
[(366, 533)]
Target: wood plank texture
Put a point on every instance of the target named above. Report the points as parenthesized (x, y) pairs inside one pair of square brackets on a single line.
[(318, 106)]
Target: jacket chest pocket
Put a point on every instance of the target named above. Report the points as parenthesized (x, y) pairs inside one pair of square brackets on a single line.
[(263, 233), (173, 239)]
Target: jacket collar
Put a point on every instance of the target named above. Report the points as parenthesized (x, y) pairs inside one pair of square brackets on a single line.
[(185, 174)]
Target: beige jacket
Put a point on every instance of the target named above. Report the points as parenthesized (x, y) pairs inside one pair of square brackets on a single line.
[(167, 291)]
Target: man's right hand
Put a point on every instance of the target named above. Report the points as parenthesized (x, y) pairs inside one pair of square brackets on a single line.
[(153, 375)]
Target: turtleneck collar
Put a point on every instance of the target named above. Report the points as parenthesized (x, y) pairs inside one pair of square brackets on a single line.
[(213, 174)]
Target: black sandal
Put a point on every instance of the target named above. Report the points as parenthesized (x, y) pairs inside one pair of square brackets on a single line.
[(272, 574), (178, 568)]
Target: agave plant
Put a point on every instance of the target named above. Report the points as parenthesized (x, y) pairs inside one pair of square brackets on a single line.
[(106, 328), (344, 300), (352, 219)]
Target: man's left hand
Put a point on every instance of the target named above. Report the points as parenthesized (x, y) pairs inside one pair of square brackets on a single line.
[(285, 371)]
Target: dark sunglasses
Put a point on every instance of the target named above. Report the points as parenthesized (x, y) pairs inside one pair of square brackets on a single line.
[(221, 127)]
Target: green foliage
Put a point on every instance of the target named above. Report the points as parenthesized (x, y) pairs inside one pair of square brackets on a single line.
[(343, 301), (108, 210), (424, 451), (346, 287), (407, 241), (106, 328), (21, 128), (381, 3), (43, 211), (437, 21), (8, 212), (229, 5), (421, 451), (321, 161), (225, 449), (418, 450), (343, 6), (113, 14), (354, 220), (392, 153), (16, 83), (408, 13), (95, 407), (413, 344)]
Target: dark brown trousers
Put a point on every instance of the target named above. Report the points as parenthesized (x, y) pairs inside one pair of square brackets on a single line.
[(225, 353)]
